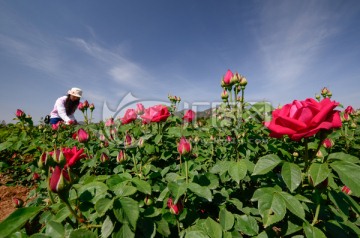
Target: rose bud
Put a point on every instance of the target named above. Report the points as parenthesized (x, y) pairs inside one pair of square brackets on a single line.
[(36, 176), (227, 77), (346, 190), (184, 146), (86, 104), (58, 156), (43, 161), (121, 157), (353, 126), (104, 157), (140, 109), (317, 96), (175, 208), (110, 122), (328, 143), (83, 136), (324, 91), (189, 116), (81, 106), (128, 140), (224, 95), (18, 202), (59, 179), (92, 107), (243, 82), (349, 110), (148, 200), (19, 113)]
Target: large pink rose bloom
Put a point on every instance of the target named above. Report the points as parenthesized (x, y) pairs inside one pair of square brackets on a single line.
[(302, 119), (130, 115), (156, 113)]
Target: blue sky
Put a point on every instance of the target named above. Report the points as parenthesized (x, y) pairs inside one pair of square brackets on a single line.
[(286, 49)]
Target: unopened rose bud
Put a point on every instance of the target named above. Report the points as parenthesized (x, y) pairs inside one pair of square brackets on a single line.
[(18, 202), (328, 143), (317, 96), (296, 154), (243, 82), (346, 190), (92, 107), (224, 95), (319, 154), (121, 157), (36, 176), (104, 157), (148, 200), (353, 126), (184, 146), (324, 91)]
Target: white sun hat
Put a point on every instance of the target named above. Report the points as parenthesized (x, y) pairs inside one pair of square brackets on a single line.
[(77, 92)]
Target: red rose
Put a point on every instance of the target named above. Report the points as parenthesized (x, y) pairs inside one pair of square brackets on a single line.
[(175, 208), (130, 115), (302, 119), (189, 116), (184, 146), (156, 113), (227, 77), (349, 110)]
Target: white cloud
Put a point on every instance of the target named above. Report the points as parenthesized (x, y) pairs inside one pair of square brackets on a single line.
[(291, 37), (121, 70)]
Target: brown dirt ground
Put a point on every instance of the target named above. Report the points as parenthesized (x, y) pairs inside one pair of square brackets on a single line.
[(7, 193)]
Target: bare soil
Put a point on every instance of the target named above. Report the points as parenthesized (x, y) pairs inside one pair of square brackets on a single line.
[(7, 193)]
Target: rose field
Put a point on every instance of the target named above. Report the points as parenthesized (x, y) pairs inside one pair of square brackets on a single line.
[(239, 170)]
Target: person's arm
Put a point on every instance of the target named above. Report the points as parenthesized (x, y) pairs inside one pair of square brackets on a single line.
[(62, 111)]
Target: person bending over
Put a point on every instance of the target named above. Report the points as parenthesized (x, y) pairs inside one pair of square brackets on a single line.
[(65, 107)]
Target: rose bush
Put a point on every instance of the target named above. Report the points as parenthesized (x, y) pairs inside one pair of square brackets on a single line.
[(223, 176)]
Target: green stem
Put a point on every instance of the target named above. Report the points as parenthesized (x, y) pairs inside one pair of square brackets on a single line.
[(79, 219), (306, 155), (316, 215), (186, 171)]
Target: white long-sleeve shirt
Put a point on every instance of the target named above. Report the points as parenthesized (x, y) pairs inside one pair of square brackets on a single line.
[(59, 110)]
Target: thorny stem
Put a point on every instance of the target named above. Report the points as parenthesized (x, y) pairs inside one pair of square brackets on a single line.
[(79, 219)]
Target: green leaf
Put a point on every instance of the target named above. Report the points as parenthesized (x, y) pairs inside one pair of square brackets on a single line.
[(17, 219), (126, 210), (313, 232), (158, 138), (293, 205), (92, 191), (62, 214), (103, 205), (82, 233), (237, 170), (349, 175), (107, 227), (5, 145), (291, 174), (196, 234), (123, 190), (220, 167), (247, 224), (213, 229), (318, 173), (266, 164), (272, 208), (124, 232), (201, 191), (226, 219), (142, 186), (55, 229), (177, 190), (344, 157)]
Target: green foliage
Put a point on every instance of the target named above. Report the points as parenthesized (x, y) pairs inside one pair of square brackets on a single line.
[(236, 182)]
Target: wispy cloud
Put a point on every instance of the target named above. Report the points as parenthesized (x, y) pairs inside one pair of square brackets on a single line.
[(290, 38), (121, 70)]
